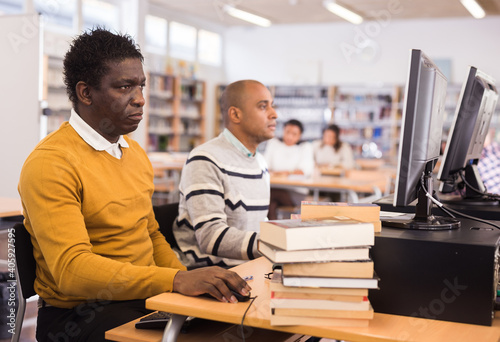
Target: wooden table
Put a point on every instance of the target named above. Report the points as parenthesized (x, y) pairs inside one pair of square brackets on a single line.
[(10, 207), (345, 185), (383, 327)]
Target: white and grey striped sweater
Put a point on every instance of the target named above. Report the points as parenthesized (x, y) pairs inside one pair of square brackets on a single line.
[(224, 195)]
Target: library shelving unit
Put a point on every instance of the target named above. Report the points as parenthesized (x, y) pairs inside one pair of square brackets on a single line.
[(308, 104), (369, 118), (57, 107), (175, 116)]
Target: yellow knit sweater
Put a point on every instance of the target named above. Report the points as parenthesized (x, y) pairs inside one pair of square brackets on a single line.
[(92, 224)]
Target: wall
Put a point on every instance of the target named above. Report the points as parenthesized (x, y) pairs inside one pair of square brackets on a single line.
[(20, 94), (372, 52)]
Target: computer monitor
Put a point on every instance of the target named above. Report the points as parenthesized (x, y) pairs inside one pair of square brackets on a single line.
[(468, 132), (419, 145)]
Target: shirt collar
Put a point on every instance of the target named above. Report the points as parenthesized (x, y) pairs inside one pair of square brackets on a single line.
[(94, 139), (236, 143)]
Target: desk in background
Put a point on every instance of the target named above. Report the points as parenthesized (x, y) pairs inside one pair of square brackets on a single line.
[(372, 183), (383, 327)]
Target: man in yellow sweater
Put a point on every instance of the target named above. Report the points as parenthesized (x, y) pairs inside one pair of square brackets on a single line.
[(86, 192)]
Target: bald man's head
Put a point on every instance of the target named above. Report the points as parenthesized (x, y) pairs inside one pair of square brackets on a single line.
[(233, 96)]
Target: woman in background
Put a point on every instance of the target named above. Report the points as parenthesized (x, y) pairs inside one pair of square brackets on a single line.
[(331, 151), (285, 157)]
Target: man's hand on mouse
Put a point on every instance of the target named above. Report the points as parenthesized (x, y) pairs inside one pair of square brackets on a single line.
[(213, 280)]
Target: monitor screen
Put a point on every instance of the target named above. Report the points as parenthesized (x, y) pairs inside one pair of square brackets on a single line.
[(421, 127), (476, 105), (419, 145)]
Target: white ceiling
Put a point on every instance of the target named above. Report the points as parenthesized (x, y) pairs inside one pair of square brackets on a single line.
[(312, 11)]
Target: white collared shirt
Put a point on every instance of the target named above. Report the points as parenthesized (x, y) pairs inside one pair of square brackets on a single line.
[(94, 139)]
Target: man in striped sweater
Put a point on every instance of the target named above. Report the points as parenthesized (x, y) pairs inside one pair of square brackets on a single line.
[(224, 187)]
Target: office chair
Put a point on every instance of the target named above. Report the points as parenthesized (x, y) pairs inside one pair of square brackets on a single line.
[(165, 216), (25, 274)]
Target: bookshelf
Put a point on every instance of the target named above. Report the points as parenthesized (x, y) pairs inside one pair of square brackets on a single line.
[(175, 116), (56, 105), (308, 104), (369, 118)]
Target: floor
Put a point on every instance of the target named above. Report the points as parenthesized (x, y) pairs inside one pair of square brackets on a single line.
[(29, 324)]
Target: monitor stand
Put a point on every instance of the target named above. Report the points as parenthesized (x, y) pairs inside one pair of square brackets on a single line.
[(424, 219)]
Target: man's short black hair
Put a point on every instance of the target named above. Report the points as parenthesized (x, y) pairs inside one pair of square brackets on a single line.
[(89, 55)]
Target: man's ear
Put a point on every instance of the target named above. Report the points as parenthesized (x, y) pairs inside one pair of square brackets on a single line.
[(234, 114), (83, 93)]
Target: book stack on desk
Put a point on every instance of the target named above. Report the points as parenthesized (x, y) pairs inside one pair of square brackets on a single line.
[(322, 270)]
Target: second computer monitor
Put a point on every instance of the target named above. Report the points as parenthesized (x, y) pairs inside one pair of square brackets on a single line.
[(468, 132)]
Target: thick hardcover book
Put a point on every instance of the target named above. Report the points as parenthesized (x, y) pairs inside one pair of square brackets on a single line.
[(299, 234), (337, 269), (364, 283), (277, 255), (344, 294)]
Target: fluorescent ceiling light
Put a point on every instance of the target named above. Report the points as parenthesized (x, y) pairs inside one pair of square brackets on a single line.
[(474, 8), (343, 12), (251, 18)]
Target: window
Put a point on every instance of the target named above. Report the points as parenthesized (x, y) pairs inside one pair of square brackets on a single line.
[(209, 48), (156, 34), (57, 13), (182, 41), (11, 6), (100, 13)]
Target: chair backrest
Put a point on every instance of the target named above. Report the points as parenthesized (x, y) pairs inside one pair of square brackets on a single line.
[(25, 261), (165, 216)]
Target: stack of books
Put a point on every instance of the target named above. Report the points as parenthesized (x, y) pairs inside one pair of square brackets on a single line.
[(322, 265)]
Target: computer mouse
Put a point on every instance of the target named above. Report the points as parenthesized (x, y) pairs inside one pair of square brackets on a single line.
[(236, 294), (240, 297)]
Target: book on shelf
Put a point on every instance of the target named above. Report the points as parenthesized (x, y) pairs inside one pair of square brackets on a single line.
[(277, 255), (318, 304), (364, 212), (343, 294), (300, 234), (337, 269), (279, 320), (355, 314), (301, 281)]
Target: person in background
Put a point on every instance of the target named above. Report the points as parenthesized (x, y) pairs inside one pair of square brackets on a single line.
[(285, 157), (489, 164), (330, 151), (224, 185), (86, 193)]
